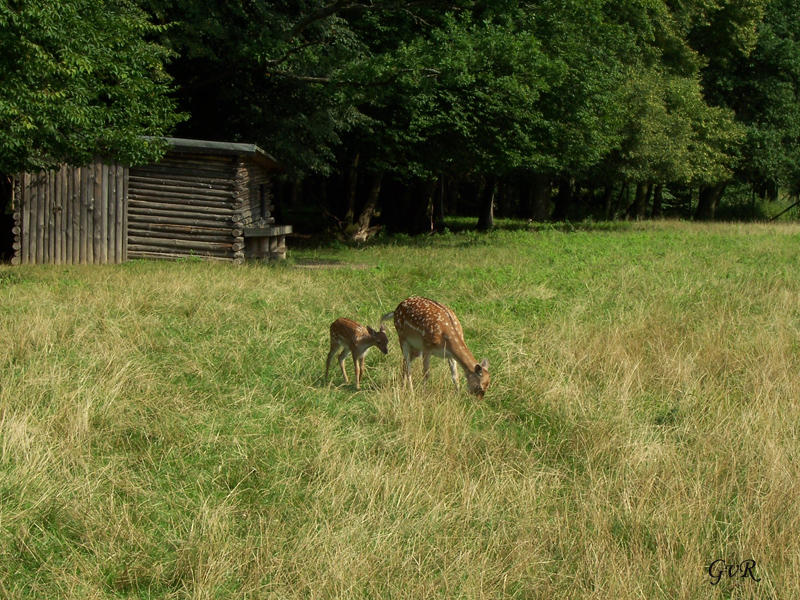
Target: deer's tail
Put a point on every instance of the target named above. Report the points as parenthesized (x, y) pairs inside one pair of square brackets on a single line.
[(386, 317)]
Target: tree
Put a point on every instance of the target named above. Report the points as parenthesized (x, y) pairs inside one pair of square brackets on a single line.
[(388, 97), (724, 33), (80, 78), (765, 95)]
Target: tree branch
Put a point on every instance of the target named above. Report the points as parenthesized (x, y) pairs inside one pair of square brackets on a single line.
[(323, 13)]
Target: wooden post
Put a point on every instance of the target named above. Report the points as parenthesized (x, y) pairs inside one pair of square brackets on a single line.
[(124, 204), (55, 238), (240, 204), (52, 191), (16, 197), (67, 217), (64, 212), (83, 231), (61, 182), (103, 203), (121, 234), (112, 213), (40, 223), (25, 206), (47, 200), (90, 212), (97, 233), (75, 210)]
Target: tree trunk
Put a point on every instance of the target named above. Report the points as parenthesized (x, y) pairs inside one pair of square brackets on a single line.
[(525, 203), (638, 209), (363, 230), (438, 205), (352, 190), (453, 195), (623, 195), (296, 193), (486, 216), (658, 199), (421, 207), (563, 204), (708, 201), (540, 197), (608, 195)]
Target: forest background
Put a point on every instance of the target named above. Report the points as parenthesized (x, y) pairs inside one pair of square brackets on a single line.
[(397, 112)]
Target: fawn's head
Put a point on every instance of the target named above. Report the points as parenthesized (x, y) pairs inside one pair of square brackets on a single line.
[(379, 338), (478, 380)]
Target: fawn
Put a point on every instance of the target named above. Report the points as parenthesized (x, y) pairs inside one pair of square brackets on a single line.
[(356, 340), (427, 327)]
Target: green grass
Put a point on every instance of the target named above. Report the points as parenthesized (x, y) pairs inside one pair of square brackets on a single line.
[(165, 432)]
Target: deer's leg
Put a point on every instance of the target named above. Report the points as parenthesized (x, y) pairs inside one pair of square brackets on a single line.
[(357, 362), (342, 356), (331, 354), (454, 370), (408, 355), (426, 365)]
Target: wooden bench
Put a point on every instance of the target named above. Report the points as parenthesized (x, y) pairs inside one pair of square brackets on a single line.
[(266, 243)]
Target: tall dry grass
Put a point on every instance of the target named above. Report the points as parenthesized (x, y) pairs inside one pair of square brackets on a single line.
[(165, 432)]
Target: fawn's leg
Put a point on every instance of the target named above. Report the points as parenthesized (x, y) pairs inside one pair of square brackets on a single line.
[(357, 362), (331, 353), (342, 356)]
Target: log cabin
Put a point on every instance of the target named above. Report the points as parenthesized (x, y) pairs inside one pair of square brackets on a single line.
[(202, 199)]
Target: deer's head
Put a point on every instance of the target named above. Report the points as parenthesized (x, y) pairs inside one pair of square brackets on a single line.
[(379, 338), (478, 379)]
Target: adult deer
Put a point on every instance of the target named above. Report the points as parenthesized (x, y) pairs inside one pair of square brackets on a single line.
[(429, 328), (356, 340)]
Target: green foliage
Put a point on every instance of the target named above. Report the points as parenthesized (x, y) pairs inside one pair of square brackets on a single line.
[(463, 97), (672, 134), (687, 94), (766, 96), (642, 91), (79, 78)]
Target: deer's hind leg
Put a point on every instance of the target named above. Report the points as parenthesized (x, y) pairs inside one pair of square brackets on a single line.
[(331, 353), (426, 365), (358, 365), (409, 354), (342, 356)]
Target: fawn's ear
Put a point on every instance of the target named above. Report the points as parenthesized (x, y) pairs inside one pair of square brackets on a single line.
[(371, 330), (485, 363), (383, 327), (478, 370)]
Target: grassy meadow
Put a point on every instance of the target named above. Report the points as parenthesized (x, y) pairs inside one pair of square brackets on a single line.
[(165, 431)]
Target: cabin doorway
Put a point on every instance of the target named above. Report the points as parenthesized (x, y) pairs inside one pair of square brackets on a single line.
[(6, 220)]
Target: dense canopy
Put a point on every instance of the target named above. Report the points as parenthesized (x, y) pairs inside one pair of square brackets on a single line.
[(547, 108)]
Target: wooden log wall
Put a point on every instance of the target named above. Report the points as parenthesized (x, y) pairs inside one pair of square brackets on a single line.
[(185, 205), (76, 215), (255, 193)]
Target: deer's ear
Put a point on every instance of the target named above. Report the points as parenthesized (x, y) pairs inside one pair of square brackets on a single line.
[(371, 330), (485, 363), (478, 370)]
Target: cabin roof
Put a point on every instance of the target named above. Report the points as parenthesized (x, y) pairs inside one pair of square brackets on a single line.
[(227, 148)]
